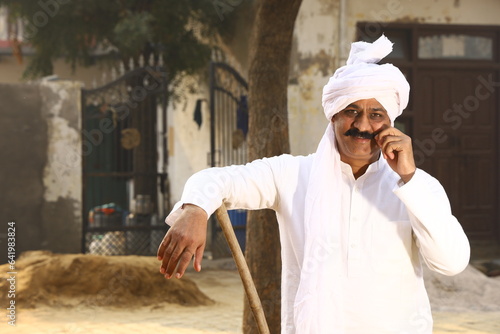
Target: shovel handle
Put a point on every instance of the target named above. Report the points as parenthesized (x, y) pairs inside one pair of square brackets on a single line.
[(241, 264)]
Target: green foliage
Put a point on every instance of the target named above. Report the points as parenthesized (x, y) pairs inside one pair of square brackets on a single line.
[(182, 31), (132, 32)]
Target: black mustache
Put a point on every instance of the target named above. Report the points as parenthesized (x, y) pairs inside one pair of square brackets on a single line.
[(360, 134)]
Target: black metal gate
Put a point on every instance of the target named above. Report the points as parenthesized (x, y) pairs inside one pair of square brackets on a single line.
[(229, 116), (125, 184), (228, 144)]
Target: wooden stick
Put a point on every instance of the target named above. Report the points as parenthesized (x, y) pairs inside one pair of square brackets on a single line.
[(246, 277)]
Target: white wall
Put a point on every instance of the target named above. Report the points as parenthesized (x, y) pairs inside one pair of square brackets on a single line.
[(61, 217), (188, 144), (313, 61), (63, 174)]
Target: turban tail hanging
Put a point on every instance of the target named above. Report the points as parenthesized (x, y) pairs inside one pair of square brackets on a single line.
[(319, 299)]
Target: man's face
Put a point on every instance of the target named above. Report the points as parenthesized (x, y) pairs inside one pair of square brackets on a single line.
[(355, 127)]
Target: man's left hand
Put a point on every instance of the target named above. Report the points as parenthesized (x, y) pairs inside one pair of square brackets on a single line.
[(397, 150)]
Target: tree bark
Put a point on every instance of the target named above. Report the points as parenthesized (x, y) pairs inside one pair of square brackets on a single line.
[(268, 136)]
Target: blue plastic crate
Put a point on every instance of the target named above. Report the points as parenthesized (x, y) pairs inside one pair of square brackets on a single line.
[(239, 223)]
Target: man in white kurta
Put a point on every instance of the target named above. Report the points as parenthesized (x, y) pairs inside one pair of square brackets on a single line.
[(357, 220)]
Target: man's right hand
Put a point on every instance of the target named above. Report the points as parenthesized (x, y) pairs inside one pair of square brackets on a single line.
[(185, 238)]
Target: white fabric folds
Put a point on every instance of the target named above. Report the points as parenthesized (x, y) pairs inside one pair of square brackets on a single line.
[(319, 295)]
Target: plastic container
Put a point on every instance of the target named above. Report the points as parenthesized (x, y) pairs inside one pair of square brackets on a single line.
[(239, 223)]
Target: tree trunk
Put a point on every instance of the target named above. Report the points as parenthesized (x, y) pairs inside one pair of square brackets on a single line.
[(268, 136)]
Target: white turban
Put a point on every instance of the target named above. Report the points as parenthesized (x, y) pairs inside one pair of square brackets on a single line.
[(362, 79), (320, 295)]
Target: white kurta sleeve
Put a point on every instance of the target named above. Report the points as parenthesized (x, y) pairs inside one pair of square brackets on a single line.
[(440, 237), (251, 186)]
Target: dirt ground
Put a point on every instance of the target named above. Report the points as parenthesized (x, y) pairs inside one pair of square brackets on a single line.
[(223, 316)]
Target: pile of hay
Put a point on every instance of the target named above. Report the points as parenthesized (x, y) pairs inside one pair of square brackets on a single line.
[(93, 280)]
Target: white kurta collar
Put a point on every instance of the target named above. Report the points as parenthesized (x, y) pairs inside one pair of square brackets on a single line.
[(373, 168)]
